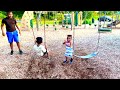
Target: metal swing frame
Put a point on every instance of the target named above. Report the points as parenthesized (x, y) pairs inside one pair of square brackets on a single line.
[(93, 54), (44, 31)]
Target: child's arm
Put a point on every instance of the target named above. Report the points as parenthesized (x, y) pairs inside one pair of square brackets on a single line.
[(64, 42), (34, 50), (35, 41), (71, 44), (44, 49)]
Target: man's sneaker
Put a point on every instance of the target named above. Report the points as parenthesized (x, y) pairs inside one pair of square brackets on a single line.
[(20, 52), (11, 52)]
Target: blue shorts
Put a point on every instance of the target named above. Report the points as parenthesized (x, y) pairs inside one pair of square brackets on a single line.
[(13, 36)]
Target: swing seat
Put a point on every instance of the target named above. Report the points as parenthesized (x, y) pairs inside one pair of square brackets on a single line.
[(88, 56), (105, 29)]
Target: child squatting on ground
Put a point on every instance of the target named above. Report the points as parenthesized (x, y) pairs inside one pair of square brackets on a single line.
[(69, 49), (40, 49)]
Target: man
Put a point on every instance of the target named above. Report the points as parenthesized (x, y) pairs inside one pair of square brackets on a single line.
[(11, 31)]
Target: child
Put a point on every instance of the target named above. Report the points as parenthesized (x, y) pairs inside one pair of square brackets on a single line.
[(38, 48), (69, 49)]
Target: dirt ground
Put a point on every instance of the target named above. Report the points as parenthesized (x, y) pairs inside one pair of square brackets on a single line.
[(106, 65)]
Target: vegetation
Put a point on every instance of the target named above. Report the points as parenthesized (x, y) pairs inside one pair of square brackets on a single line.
[(59, 15)]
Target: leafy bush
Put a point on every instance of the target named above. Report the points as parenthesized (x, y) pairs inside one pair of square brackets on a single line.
[(51, 18), (90, 22), (86, 22), (2, 14), (59, 16), (87, 14), (60, 22)]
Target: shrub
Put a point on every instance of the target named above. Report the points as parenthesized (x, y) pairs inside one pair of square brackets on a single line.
[(60, 22), (2, 15), (90, 22), (86, 22)]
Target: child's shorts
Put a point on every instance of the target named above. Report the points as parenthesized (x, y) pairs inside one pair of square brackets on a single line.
[(68, 54), (13, 36)]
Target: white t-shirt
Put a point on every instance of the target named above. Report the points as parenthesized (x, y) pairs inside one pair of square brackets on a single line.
[(40, 50)]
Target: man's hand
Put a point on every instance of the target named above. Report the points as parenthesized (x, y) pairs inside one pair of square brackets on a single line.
[(18, 29), (2, 28), (20, 32), (3, 33)]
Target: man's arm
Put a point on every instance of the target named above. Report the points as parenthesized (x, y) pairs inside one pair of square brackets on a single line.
[(2, 28), (18, 29), (17, 26)]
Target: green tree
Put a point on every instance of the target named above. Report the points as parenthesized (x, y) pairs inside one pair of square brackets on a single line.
[(87, 14)]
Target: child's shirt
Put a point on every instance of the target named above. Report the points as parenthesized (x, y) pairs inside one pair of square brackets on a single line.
[(40, 50), (69, 47)]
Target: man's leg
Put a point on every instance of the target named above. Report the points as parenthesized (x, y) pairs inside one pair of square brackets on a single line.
[(18, 45), (16, 39), (10, 40), (11, 46)]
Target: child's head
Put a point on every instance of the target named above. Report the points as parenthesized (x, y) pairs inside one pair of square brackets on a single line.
[(10, 14), (69, 37), (39, 40)]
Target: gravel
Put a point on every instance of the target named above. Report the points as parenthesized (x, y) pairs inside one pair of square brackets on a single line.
[(106, 65)]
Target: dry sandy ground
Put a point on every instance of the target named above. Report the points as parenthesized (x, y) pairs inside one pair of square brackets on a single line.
[(106, 65)]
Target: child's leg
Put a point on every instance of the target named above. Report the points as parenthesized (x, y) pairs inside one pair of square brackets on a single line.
[(71, 60), (45, 53), (65, 59)]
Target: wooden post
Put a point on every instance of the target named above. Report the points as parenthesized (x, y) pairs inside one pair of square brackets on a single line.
[(72, 20), (80, 18)]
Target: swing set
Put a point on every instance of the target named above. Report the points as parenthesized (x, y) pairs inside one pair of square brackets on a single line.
[(104, 28), (93, 54), (31, 23)]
